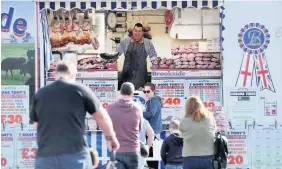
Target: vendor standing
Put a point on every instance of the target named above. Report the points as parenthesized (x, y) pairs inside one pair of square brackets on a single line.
[(136, 49)]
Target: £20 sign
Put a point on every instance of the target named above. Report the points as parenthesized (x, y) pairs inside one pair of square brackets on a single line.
[(235, 159)]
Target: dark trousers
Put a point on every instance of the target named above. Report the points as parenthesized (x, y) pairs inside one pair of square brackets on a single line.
[(80, 160), (127, 160), (195, 162)]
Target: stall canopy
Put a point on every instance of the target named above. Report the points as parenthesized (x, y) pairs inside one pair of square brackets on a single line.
[(130, 5)]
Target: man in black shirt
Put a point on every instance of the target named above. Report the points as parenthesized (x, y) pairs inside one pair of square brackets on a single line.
[(59, 111)]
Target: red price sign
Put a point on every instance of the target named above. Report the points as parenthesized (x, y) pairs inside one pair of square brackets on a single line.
[(105, 105), (209, 104), (171, 101), (28, 153), (11, 119), (3, 161), (235, 159)]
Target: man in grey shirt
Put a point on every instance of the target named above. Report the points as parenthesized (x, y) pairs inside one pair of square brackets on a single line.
[(136, 49)]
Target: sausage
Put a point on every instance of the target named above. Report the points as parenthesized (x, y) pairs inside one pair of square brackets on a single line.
[(213, 63), (178, 66), (155, 62), (176, 57), (184, 59), (154, 66), (206, 55), (218, 66), (199, 54), (214, 59), (184, 55), (189, 50), (199, 66), (205, 66), (184, 67), (206, 62), (163, 61), (186, 47), (192, 67), (163, 66), (198, 58), (211, 66), (178, 63), (195, 50), (169, 62), (181, 51), (192, 63), (171, 66), (177, 60), (185, 63), (199, 62), (206, 59)]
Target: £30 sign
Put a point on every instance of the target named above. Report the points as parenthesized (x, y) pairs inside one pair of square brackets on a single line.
[(235, 159), (171, 101), (209, 104), (11, 119), (29, 153)]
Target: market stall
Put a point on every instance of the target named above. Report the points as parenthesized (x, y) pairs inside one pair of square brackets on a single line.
[(185, 35)]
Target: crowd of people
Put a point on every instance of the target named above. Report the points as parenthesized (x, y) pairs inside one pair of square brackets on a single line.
[(59, 109)]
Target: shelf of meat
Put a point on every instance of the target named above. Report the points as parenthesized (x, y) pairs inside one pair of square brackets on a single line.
[(95, 62), (189, 57)]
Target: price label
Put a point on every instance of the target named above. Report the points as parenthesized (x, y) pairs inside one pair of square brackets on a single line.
[(235, 159), (3, 161), (29, 153), (171, 101), (105, 105), (209, 104), (11, 119)]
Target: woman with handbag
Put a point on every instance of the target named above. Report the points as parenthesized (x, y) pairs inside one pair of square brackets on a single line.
[(198, 129), (146, 131)]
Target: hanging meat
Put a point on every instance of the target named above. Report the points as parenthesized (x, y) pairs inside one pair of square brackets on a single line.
[(168, 19), (54, 31), (86, 25)]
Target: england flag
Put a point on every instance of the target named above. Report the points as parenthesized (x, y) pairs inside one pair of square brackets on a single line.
[(246, 71)]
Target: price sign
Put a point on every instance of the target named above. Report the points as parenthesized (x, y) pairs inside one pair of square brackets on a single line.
[(11, 119), (172, 93), (209, 91), (106, 92), (14, 105), (26, 149), (235, 159), (238, 149), (171, 101), (7, 149), (29, 153)]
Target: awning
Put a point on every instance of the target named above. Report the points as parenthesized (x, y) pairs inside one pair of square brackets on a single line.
[(130, 4)]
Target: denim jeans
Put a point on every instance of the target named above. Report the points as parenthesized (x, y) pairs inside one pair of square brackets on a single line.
[(80, 160), (174, 166), (127, 160), (198, 162)]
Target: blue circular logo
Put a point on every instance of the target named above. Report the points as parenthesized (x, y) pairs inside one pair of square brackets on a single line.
[(254, 38), (139, 99)]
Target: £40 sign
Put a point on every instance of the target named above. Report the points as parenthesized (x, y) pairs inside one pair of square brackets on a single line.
[(11, 119), (235, 160), (171, 101), (29, 153)]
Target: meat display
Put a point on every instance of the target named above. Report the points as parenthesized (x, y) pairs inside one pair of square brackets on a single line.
[(70, 27), (188, 57), (95, 62)]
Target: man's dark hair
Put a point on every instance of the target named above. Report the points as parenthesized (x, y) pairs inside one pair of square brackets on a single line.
[(65, 67), (138, 25), (127, 89), (151, 85)]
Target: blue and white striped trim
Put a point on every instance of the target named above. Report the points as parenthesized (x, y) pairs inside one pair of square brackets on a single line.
[(127, 5)]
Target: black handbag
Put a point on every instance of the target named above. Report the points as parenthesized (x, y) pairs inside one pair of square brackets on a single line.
[(143, 150)]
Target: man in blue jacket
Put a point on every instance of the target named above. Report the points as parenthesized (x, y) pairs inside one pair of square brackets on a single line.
[(153, 114)]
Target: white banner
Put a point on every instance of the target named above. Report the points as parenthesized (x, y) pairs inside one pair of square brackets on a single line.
[(266, 147), (208, 90), (239, 154), (172, 93), (105, 91), (14, 106), (7, 149), (26, 148), (242, 105), (252, 53)]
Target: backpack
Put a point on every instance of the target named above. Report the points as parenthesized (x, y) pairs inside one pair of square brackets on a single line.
[(221, 151)]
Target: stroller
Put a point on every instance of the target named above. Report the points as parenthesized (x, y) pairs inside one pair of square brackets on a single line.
[(112, 163)]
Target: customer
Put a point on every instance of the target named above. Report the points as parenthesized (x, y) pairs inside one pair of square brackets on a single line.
[(127, 117), (153, 114), (59, 110), (171, 151), (146, 131), (198, 128)]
